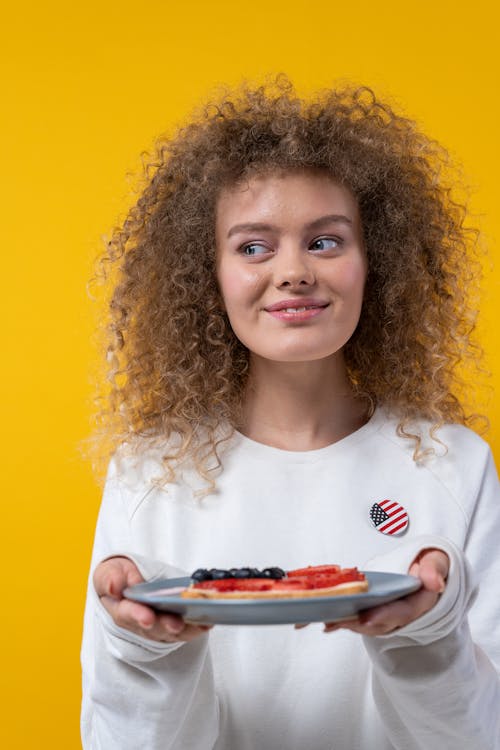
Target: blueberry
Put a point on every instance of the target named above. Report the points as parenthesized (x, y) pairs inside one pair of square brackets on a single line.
[(275, 573), (201, 574), (217, 574), (214, 574), (243, 573)]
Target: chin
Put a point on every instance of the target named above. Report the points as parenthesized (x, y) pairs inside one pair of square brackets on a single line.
[(297, 356)]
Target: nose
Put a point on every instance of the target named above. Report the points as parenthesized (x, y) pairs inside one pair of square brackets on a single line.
[(293, 268)]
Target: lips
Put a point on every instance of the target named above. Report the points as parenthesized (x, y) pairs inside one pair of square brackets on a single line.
[(298, 304), (298, 311)]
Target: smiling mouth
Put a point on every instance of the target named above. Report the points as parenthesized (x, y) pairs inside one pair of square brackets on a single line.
[(297, 305), (301, 309), (296, 313)]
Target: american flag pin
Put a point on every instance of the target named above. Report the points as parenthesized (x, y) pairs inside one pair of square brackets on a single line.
[(389, 517)]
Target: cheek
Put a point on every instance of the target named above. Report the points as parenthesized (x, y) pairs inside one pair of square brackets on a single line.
[(353, 276), (239, 286)]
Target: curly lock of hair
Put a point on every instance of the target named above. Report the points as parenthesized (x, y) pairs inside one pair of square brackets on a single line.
[(178, 372)]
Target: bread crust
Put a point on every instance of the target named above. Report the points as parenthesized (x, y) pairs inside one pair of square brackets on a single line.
[(344, 589)]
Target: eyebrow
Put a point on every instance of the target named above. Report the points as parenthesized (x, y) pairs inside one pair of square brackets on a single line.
[(316, 224)]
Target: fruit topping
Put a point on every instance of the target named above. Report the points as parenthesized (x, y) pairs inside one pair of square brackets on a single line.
[(201, 574), (237, 584), (218, 574), (246, 573), (315, 570), (274, 573)]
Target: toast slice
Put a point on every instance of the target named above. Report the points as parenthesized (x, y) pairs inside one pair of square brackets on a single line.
[(300, 583)]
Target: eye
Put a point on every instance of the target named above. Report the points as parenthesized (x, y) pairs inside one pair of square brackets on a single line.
[(254, 248), (325, 243)]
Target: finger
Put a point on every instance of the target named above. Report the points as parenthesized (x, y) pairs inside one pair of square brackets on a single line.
[(112, 576), (191, 632), (432, 567), (402, 611), (389, 617), (300, 625), (330, 627), (397, 614), (128, 614), (144, 621), (103, 577), (173, 624), (116, 582), (176, 626), (172, 628), (163, 626)]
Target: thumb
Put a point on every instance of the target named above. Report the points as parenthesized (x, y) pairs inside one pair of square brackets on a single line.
[(114, 575), (432, 567)]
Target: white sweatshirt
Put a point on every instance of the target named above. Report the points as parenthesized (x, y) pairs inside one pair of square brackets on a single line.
[(432, 685)]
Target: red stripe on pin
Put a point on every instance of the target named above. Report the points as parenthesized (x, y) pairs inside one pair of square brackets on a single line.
[(389, 517)]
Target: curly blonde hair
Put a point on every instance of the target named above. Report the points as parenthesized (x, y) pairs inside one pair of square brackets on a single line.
[(176, 369)]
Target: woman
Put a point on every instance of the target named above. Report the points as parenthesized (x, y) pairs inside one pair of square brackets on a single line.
[(286, 327)]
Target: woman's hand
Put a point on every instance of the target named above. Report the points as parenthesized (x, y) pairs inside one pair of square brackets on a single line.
[(431, 566), (111, 577)]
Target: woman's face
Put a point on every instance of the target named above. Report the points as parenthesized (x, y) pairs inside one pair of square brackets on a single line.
[(291, 265)]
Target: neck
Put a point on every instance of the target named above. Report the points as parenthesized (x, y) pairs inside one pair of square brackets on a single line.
[(300, 405)]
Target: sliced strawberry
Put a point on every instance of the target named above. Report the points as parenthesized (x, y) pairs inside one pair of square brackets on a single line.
[(327, 581), (236, 584), (312, 570), (292, 584), (222, 584), (253, 584)]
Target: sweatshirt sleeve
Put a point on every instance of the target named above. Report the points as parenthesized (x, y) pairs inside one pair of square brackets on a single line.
[(436, 681), (139, 692)]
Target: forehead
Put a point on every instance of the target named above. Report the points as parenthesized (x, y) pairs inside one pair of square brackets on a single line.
[(287, 196)]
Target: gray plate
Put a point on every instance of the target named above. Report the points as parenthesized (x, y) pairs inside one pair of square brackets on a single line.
[(164, 595)]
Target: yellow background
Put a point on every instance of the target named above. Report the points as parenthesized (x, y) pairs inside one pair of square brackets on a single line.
[(86, 87)]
